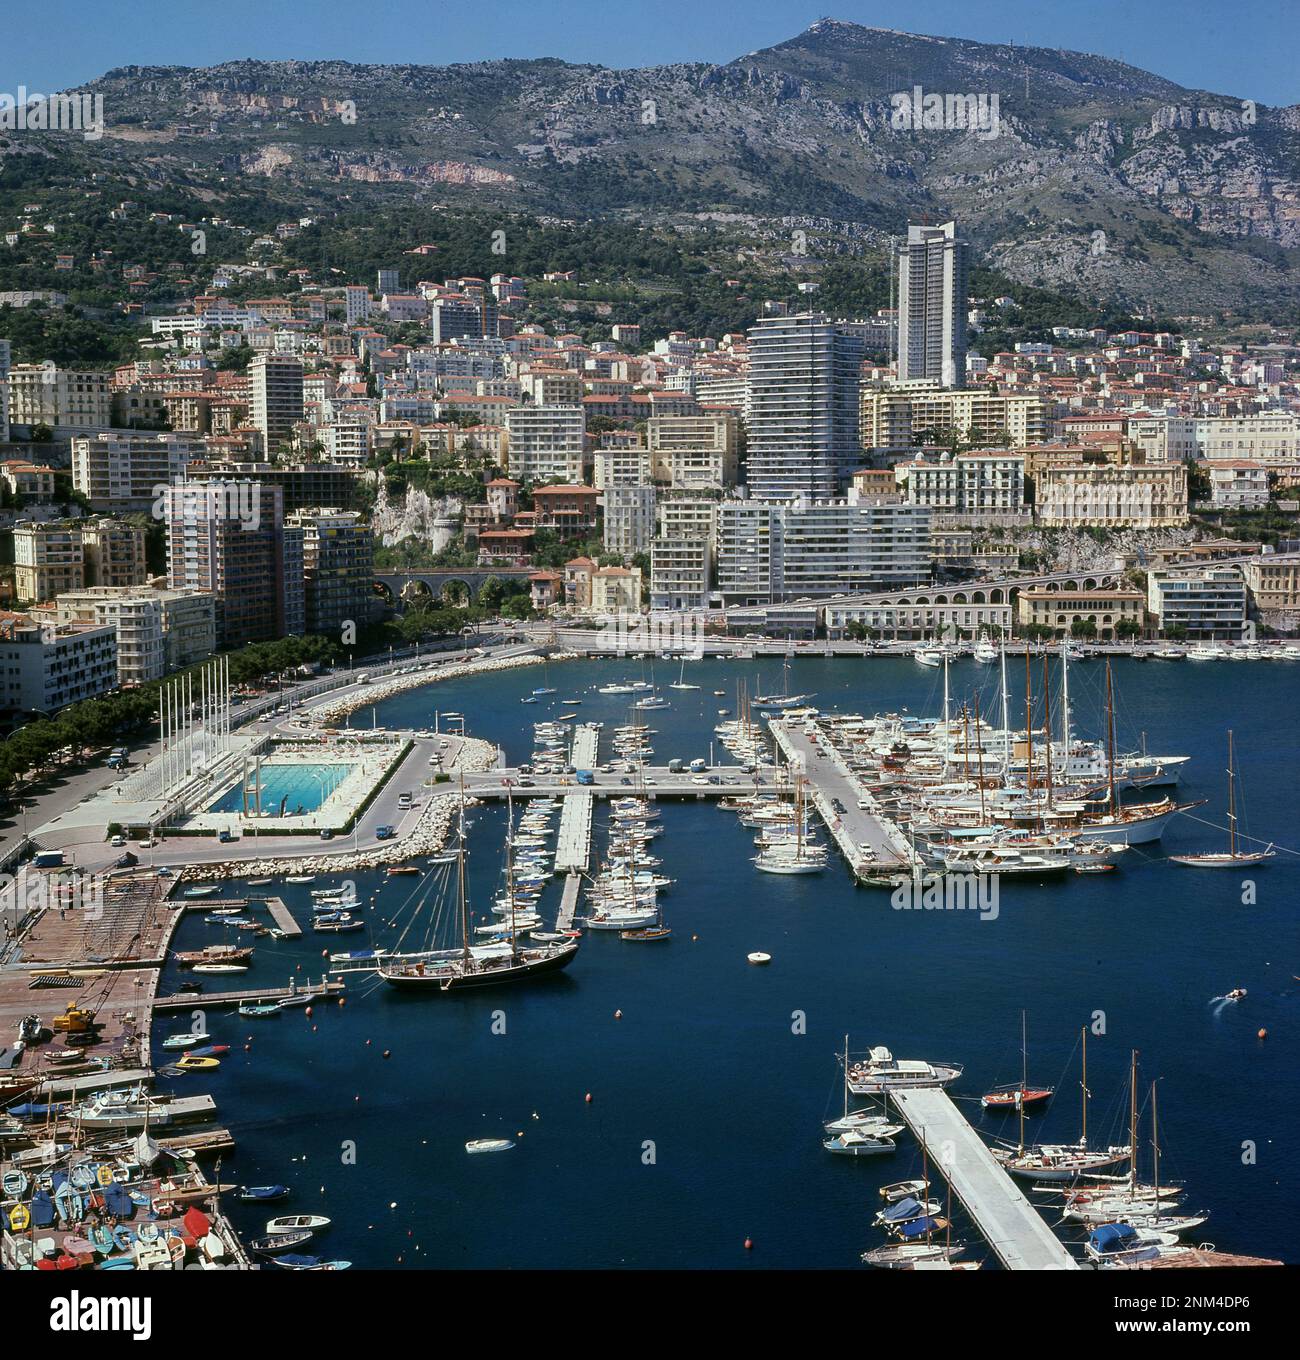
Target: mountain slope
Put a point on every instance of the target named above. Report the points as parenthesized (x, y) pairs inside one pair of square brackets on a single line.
[(1101, 177)]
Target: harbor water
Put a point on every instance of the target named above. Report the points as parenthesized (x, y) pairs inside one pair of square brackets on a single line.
[(709, 1079)]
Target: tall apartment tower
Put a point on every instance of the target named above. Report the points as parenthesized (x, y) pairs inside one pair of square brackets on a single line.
[(276, 381), (228, 538), (932, 269), (802, 404)]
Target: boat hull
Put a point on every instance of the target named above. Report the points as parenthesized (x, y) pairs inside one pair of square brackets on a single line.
[(440, 982)]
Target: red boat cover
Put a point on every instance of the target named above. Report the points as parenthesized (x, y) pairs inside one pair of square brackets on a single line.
[(196, 1223)]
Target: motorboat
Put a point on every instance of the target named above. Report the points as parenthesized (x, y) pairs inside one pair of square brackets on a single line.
[(292, 1223), (859, 1143), (880, 1071), (477, 1145)]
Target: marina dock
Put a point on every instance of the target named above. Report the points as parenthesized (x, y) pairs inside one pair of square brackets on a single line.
[(586, 746), (1020, 1237), (569, 902), (573, 843), (280, 913), (327, 987), (869, 842)]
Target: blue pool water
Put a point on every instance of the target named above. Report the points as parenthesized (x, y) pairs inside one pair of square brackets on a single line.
[(301, 788), (708, 1094)]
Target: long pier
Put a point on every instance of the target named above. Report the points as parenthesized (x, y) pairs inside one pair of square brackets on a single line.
[(573, 841), (327, 987), (280, 913), (1019, 1235), (568, 903), (869, 842)]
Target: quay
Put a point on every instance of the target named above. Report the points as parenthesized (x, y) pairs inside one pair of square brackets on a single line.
[(868, 841), (325, 988), (280, 913), (586, 746), (569, 902), (1019, 1235), (652, 781), (573, 842)]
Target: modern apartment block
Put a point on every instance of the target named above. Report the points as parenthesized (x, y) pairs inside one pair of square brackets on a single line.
[(622, 465), (546, 443), (464, 318), (275, 384), (1208, 603), (338, 570), (48, 559), (114, 553), (70, 401), (44, 667), (773, 553), (157, 630), (932, 272), (356, 302), (629, 519), (694, 453), (228, 538), (683, 552), (900, 419), (802, 403), (120, 471)]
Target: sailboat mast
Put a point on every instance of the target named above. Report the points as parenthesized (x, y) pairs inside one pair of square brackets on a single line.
[(510, 869), (1110, 739), (1047, 725), (979, 756), (1232, 803), (460, 875), (1006, 719), (1065, 698), (1083, 1084), (1133, 1122), (1155, 1148), (1029, 728), (846, 1076)]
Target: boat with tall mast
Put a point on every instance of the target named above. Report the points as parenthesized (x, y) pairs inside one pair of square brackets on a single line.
[(485, 965), (1018, 1096), (1232, 857), (1061, 1161)]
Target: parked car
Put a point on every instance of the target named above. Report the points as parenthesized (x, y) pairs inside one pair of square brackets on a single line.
[(384, 833)]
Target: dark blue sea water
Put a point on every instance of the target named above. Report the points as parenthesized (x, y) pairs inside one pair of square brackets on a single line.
[(708, 1094)]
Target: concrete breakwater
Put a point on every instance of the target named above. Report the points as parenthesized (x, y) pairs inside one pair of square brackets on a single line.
[(427, 837), (398, 684)]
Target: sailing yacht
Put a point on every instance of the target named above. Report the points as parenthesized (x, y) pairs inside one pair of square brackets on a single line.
[(783, 700), (1019, 1095), (797, 856), (1061, 1161), (1232, 857), (485, 965), (681, 682)]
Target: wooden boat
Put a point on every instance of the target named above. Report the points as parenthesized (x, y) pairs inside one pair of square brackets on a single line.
[(184, 1040), (301, 878), (215, 953), (1232, 858), (297, 1223), (1019, 1095), (902, 1189), (189, 1063), (647, 933), (396, 869), (274, 1243)]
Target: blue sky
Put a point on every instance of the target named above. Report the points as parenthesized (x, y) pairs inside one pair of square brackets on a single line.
[(1238, 47)]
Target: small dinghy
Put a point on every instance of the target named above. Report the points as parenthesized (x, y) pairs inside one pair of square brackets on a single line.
[(297, 1223), (273, 1243), (262, 1193), (476, 1145)]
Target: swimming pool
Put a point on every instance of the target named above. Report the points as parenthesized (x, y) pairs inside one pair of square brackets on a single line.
[(288, 790)]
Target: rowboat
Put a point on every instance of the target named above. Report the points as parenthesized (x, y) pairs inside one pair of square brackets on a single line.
[(189, 1063), (259, 1010), (184, 1040), (205, 891), (301, 878), (278, 1242)]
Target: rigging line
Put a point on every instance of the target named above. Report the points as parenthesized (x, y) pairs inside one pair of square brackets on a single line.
[(1241, 835)]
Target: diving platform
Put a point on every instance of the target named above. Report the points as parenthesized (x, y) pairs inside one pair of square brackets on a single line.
[(1019, 1235)]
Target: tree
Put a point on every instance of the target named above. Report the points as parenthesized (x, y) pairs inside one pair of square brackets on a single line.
[(517, 607), (1128, 628)]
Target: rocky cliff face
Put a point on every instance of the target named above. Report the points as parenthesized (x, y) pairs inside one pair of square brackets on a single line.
[(1195, 195)]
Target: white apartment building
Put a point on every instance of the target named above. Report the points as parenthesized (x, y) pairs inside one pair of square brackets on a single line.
[(1270, 438), (43, 668), (694, 453), (932, 289), (121, 470), (629, 519), (621, 466), (1238, 484), (157, 630), (772, 553), (276, 385), (900, 418), (682, 555), (546, 443), (1208, 602)]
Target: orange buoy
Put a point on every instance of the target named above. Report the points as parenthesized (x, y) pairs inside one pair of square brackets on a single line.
[(618, 1015), (1263, 1034), (749, 1244), (588, 1097), (307, 1012)]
